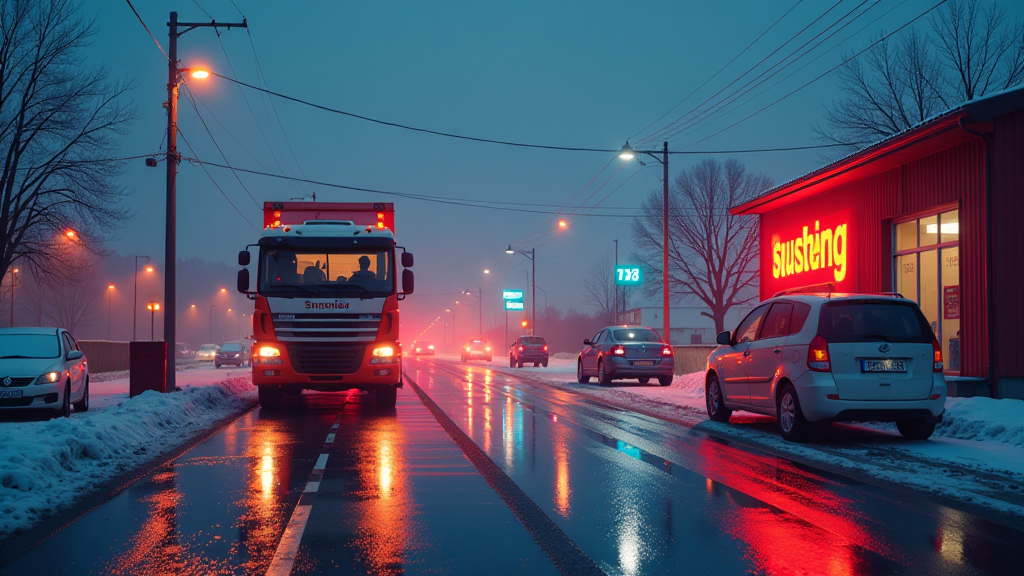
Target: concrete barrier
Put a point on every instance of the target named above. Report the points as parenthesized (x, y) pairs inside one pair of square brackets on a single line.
[(691, 358), (105, 356)]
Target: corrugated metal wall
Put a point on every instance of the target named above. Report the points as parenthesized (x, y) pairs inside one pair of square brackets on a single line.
[(952, 176), (1008, 244)]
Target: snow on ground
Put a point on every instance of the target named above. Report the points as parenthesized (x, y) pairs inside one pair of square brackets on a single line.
[(976, 454), (47, 465)]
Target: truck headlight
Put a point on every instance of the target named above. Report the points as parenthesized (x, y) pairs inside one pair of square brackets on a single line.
[(384, 355), (48, 378), (268, 355)]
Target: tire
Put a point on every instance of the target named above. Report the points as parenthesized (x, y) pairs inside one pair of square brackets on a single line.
[(519, 363), (792, 423), (717, 411), (536, 364), (217, 366), (511, 362), (386, 396), (580, 377), (270, 396), (83, 404), (665, 380), (916, 428), (603, 378), (644, 379), (544, 363), (65, 407)]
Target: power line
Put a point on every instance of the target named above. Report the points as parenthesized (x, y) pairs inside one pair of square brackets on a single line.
[(141, 21), (217, 186)]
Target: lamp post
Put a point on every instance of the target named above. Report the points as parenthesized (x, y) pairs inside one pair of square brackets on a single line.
[(14, 284), (153, 307), (628, 153), (135, 297), (110, 290), (174, 79), (533, 281)]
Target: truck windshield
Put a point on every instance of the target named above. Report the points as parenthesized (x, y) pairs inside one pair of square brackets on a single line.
[(336, 272)]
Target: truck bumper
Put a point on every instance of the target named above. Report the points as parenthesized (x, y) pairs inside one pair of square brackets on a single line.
[(368, 376)]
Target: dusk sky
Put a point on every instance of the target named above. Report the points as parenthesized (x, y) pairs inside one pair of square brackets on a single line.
[(580, 74)]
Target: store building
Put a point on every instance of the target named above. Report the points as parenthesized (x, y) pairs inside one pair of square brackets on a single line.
[(935, 213), (690, 324)]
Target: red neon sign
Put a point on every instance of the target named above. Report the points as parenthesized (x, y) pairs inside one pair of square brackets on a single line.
[(806, 251)]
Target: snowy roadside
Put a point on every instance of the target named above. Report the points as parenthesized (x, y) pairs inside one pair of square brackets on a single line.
[(48, 465), (976, 454)]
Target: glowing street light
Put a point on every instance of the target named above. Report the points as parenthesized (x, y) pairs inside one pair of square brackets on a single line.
[(71, 234), (562, 224), (152, 307), (135, 297), (200, 74), (14, 283), (110, 290)]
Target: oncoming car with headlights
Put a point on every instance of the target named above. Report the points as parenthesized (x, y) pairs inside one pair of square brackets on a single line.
[(42, 368), (423, 348)]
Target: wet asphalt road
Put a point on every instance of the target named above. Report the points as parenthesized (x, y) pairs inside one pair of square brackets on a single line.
[(537, 481)]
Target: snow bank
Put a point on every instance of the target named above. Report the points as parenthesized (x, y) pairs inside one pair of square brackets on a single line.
[(48, 465), (984, 419)]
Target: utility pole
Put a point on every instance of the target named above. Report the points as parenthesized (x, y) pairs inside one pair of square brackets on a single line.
[(14, 284), (664, 252), (615, 308), (170, 241)]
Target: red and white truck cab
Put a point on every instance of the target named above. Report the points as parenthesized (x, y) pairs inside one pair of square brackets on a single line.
[(327, 292)]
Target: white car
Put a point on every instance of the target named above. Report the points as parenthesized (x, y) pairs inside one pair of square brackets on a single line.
[(207, 352), (808, 358), (42, 368)]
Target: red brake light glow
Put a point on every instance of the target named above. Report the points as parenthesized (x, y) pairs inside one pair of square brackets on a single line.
[(937, 356), (817, 355), (520, 348), (545, 347), (666, 350), (618, 350)]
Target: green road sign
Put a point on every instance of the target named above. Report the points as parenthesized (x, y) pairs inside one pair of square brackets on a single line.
[(514, 305), (629, 276), (511, 295)]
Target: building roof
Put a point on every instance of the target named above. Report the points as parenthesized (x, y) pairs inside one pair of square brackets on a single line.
[(936, 133)]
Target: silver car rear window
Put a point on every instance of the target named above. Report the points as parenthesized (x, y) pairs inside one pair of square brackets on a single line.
[(873, 320), (636, 335)]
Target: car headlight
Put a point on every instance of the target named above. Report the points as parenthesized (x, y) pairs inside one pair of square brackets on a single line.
[(48, 378), (384, 355)]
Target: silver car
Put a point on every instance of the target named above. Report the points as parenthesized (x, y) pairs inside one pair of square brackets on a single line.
[(808, 358), (620, 352), (42, 368)]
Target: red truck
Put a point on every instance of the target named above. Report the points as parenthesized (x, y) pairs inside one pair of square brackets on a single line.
[(326, 300)]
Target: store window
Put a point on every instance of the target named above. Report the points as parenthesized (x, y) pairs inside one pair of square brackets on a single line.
[(927, 270)]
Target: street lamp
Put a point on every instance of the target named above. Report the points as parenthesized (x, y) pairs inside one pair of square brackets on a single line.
[(135, 298), (628, 153), (110, 290), (152, 307), (533, 278), (14, 283)]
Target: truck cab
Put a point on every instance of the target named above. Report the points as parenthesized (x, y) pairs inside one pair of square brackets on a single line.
[(326, 302)]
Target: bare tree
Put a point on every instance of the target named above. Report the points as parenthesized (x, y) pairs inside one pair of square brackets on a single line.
[(59, 122), (971, 49), (599, 287), (712, 255)]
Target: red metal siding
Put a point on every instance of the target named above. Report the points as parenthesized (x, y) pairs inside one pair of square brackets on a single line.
[(952, 176), (1008, 242)]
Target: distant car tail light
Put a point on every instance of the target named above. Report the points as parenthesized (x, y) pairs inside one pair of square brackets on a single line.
[(520, 348), (937, 356), (431, 347), (817, 355), (618, 350), (666, 350), (545, 347), (419, 349)]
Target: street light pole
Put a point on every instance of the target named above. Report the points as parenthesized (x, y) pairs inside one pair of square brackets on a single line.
[(14, 284), (170, 234), (532, 255), (135, 298), (110, 289)]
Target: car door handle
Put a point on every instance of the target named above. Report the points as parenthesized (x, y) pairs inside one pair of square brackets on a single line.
[(778, 351), (746, 352)]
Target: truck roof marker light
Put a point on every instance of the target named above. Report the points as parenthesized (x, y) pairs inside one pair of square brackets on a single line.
[(380, 225), (380, 215), (287, 229), (369, 229), (277, 213)]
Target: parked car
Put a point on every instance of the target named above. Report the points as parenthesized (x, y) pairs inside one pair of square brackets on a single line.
[(476, 350), (422, 348), (183, 352), (620, 352), (233, 353), (42, 368), (207, 352), (526, 350), (808, 358)]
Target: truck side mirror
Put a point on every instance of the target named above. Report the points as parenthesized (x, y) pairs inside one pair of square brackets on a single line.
[(243, 258), (723, 338), (408, 283), (243, 280), (407, 261)]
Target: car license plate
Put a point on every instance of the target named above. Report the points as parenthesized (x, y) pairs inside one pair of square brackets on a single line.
[(643, 363), (10, 393), (886, 365)]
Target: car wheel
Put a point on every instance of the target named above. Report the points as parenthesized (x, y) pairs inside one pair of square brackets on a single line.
[(665, 380), (603, 378), (511, 362), (217, 366), (643, 380), (65, 406), (544, 363), (519, 363), (270, 396), (792, 424), (580, 377), (536, 364), (716, 403), (83, 404), (916, 428), (386, 396)]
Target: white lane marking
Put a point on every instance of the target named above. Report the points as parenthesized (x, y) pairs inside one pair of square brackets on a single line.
[(334, 426), (287, 549), (330, 438), (321, 462), (312, 486)]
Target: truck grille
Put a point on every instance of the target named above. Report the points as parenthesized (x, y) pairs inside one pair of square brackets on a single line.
[(325, 358), (326, 327)]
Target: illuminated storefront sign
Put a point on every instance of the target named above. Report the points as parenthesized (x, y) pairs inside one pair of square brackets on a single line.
[(814, 248)]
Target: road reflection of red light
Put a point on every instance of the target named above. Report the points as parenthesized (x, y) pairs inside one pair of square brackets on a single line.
[(781, 544), (563, 492), (264, 503), (383, 530)]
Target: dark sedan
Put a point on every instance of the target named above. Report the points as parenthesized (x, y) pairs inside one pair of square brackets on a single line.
[(528, 350), (232, 353), (621, 352)]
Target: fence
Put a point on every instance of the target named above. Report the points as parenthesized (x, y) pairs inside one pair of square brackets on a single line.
[(105, 356), (693, 358)]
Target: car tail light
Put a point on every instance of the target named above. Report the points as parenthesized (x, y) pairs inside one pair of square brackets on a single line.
[(520, 348), (817, 355), (936, 356), (618, 350), (666, 350), (467, 349), (545, 347), (487, 349)]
